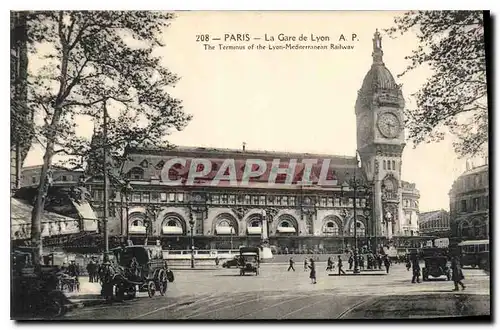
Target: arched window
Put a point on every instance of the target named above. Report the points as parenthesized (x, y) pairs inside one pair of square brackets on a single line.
[(255, 223), (385, 164), (136, 173), (479, 229), (360, 228), (465, 229), (331, 228), (224, 223), (137, 223)]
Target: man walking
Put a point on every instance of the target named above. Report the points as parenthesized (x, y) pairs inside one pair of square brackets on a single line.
[(457, 275), (350, 261), (339, 264), (387, 264), (306, 268), (416, 270), (291, 265), (90, 271), (329, 264)]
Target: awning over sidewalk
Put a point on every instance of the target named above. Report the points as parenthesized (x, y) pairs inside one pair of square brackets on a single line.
[(219, 230), (87, 215), (254, 230), (286, 230), (137, 230), (171, 230), (52, 223)]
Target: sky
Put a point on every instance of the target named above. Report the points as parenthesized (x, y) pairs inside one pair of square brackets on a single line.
[(291, 100)]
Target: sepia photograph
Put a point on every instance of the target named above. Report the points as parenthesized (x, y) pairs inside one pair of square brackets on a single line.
[(250, 165)]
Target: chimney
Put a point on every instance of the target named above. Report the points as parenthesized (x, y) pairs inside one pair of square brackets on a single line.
[(467, 165), (486, 160), (244, 145)]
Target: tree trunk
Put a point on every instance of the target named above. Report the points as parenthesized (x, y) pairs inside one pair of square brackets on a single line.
[(38, 208)]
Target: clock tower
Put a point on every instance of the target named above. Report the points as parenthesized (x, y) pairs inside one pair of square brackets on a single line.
[(380, 141)]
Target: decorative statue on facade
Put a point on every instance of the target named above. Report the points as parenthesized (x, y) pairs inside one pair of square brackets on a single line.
[(240, 212)]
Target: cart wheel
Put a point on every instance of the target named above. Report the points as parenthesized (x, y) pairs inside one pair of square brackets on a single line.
[(162, 282), (119, 292), (131, 292), (151, 289), (55, 307)]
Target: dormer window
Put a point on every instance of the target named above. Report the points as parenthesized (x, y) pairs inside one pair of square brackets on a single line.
[(160, 165), (136, 173), (172, 174)]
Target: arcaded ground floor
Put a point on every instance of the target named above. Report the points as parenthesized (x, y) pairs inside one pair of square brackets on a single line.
[(286, 244)]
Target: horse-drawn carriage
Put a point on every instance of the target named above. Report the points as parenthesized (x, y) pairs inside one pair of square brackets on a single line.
[(132, 268)]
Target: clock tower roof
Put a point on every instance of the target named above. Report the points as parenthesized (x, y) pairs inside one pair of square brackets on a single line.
[(379, 77)]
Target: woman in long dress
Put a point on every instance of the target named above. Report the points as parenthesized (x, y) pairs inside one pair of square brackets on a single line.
[(312, 274)]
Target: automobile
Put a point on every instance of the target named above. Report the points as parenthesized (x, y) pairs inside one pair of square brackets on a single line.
[(231, 263), (249, 260), (436, 266)]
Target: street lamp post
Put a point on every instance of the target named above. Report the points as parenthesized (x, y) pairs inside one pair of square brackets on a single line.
[(231, 233), (191, 224), (355, 184)]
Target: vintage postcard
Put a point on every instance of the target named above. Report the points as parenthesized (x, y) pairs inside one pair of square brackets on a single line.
[(249, 165)]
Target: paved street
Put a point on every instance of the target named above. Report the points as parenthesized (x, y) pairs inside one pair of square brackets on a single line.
[(278, 294)]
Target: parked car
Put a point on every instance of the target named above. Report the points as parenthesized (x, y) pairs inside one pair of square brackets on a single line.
[(231, 263)]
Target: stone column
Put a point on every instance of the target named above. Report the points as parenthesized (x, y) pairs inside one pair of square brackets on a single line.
[(264, 236)]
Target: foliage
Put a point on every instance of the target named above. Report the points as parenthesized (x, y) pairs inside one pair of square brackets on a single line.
[(452, 44), (21, 117), (96, 62), (97, 59)]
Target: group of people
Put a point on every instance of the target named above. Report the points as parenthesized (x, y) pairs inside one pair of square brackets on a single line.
[(373, 262), (94, 269), (456, 271)]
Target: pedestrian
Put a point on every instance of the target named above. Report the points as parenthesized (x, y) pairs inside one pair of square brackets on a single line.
[(291, 264), (350, 261), (362, 262), (312, 274), (415, 269), (329, 264), (339, 265), (217, 261), (387, 264), (379, 261), (306, 268), (90, 271), (457, 275)]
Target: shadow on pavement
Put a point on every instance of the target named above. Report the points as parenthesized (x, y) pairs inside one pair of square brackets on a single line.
[(360, 274), (238, 275)]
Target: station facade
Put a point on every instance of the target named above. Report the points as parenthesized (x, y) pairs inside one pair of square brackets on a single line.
[(297, 217)]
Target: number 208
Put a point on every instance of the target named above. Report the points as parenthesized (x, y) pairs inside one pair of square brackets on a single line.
[(202, 37)]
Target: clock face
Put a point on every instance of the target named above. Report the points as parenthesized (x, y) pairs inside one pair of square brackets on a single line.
[(364, 129), (389, 125)]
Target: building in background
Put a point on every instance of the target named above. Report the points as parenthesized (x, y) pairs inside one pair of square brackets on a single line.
[(411, 196), (61, 176), (435, 223), (469, 204)]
